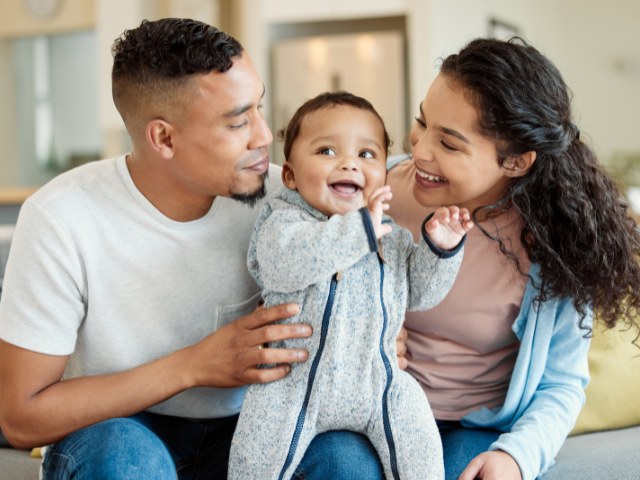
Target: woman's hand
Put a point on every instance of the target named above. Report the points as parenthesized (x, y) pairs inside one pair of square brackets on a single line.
[(447, 226), (377, 207), (401, 349), (496, 465)]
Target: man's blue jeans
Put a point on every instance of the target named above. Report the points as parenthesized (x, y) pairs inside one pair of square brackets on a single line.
[(150, 447)]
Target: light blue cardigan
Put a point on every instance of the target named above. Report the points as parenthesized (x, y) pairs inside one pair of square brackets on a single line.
[(546, 392)]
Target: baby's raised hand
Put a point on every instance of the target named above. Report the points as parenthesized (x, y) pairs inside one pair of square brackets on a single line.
[(447, 226), (377, 207)]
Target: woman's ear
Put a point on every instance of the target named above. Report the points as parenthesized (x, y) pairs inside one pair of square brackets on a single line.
[(519, 166), (158, 135), (288, 176)]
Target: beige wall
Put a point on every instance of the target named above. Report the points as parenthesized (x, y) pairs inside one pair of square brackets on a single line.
[(7, 116), (114, 17), (15, 19), (596, 46)]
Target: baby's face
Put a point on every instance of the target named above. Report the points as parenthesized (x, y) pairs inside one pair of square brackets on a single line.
[(338, 159)]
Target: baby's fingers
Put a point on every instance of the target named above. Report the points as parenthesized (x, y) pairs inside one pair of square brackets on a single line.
[(465, 219), (442, 215), (431, 226), (380, 195)]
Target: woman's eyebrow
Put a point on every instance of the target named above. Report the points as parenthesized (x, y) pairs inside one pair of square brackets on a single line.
[(448, 131), (454, 133)]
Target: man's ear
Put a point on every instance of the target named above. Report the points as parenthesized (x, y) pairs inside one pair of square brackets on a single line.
[(519, 166), (158, 135), (288, 176)]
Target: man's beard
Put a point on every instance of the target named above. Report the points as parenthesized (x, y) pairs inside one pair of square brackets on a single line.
[(252, 198)]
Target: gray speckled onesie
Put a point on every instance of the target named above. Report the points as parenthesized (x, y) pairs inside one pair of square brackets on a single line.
[(351, 380)]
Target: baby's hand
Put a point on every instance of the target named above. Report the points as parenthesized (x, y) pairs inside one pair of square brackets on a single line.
[(376, 208), (447, 226)]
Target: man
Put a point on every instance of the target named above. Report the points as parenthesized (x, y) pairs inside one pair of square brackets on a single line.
[(127, 279)]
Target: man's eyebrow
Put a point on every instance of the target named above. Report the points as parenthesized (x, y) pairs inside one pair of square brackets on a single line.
[(240, 110)]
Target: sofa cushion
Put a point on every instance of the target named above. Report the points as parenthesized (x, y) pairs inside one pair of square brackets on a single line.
[(611, 455), (614, 390)]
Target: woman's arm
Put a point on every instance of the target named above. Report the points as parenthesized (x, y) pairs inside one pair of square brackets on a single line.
[(546, 419)]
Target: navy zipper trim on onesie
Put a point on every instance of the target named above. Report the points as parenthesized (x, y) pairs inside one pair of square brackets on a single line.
[(312, 374), (387, 366)]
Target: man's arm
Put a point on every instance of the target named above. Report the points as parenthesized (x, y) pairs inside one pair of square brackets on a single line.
[(36, 408)]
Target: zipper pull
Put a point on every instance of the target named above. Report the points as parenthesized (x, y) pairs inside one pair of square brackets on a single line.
[(338, 276)]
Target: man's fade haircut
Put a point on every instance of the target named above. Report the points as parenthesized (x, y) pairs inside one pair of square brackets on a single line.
[(326, 100), (153, 63)]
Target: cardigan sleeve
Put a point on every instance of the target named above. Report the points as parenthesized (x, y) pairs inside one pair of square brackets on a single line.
[(544, 421)]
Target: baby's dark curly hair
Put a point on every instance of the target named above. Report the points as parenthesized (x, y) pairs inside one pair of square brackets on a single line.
[(576, 226), (289, 134), (152, 62)]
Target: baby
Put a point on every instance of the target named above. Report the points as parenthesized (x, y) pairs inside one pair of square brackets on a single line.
[(323, 242)]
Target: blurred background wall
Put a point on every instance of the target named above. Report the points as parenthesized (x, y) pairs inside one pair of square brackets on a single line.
[(55, 93)]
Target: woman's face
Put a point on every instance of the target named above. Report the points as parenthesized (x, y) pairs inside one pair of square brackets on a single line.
[(455, 164)]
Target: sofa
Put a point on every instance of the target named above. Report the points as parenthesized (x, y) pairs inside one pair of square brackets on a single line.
[(611, 453)]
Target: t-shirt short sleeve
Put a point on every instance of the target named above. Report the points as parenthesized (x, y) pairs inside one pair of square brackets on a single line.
[(42, 303)]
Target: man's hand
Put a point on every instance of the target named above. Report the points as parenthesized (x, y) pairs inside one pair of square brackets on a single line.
[(36, 408), (496, 465), (401, 349), (230, 356), (377, 207), (447, 226)]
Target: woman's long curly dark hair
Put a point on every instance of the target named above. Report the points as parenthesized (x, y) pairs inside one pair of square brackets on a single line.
[(575, 223)]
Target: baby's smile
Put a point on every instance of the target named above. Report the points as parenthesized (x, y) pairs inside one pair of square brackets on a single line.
[(346, 188)]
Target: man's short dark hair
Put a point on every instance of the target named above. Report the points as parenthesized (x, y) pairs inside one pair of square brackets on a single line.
[(154, 62)]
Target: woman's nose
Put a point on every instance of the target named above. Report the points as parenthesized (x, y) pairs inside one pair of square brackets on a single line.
[(422, 150)]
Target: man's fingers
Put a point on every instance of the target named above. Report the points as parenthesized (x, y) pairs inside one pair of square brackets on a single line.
[(263, 316), (261, 375), (273, 333), (264, 356)]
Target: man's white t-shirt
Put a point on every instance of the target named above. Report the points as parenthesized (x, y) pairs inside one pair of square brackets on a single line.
[(98, 273)]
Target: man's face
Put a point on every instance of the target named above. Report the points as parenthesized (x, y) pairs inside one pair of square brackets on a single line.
[(221, 147)]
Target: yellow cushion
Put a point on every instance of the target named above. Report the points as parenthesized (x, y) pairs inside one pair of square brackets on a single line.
[(613, 396)]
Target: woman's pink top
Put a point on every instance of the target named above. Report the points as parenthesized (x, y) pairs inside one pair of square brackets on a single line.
[(463, 351)]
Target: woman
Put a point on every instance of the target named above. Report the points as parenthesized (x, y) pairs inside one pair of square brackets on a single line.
[(503, 359)]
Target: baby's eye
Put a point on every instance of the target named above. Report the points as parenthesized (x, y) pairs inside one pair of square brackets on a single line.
[(366, 155), (327, 151)]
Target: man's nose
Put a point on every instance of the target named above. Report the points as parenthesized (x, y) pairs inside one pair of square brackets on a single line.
[(261, 135)]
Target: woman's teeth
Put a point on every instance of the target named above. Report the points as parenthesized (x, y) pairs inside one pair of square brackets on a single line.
[(432, 178)]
